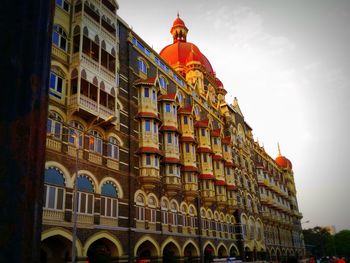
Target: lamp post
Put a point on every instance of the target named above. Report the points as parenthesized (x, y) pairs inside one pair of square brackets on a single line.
[(75, 189)]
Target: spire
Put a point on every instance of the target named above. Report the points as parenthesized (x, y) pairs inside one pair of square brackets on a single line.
[(178, 16), (279, 150)]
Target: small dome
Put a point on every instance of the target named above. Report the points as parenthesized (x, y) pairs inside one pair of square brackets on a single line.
[(178, 22), (182, 52), (283, 161)]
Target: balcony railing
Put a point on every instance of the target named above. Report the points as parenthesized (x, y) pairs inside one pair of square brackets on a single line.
[(89, 105)]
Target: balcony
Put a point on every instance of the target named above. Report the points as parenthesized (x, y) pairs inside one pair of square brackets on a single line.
[(88, 106), (53, 144), (53, 215), (149, 178), (59, 54), (172, 185), (208, 197), (85, 219), (113, 164), (95, 158), (221, 200), (191, 191), (108, 221)]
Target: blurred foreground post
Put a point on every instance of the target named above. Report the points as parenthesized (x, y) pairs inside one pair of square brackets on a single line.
[(25, 45)]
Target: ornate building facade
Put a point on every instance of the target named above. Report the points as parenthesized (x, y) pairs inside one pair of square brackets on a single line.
[(164, 167)]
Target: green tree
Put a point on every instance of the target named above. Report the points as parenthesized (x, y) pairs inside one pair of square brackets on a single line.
[(318, 242), (342, 243)]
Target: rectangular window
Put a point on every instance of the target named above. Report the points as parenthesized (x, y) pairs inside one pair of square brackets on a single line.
[(147, 125), (148, 159), (147, 92), (169, 138), (225, 147), (154, 96), (171, 169), (185, 120), (167, 107), (56, 85), (205, 157), (228, 171), (156, 161), (203, 132), (215, 140), (187, 146), (217, 165)]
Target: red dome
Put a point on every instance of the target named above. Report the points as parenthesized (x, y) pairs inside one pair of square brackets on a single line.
[(219, 83), (182, 52), (178, 22), (283, 162)]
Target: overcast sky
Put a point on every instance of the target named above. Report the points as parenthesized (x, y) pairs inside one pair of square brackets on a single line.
[(288, 63)]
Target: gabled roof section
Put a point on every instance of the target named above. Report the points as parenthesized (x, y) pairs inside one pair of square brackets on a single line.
[(147, 82), (169, 97)]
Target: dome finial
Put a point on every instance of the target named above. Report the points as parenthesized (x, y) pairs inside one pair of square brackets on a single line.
[(178, 16), (279, 149)]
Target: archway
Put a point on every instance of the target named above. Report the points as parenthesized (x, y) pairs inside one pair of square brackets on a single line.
[(234, 251), (190, 253), (55, 249), (222, 252), (102, 250), (248, 254), (146, 250), (171, 253), (209, 253)]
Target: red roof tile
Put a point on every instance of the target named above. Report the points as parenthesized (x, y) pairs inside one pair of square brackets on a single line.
[(188, 168), (149, 150), (169, 96), (204, 150), (220, 182), (217, 157), (231, 187), (226, 140), (148, 82), (146, 115), (202, 123), (228, 164), (168, 128), (187, 139), (216, 132), (206, 176), (170, 160), (185, 110)]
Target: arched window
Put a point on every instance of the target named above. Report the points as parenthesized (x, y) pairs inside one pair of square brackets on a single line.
[(74, 132), (151, 210), (59, 37), (85, 195), (54, 189), (140, 207), (172, 217), (162, 82), (113, 148), (54, 125), (164, 211), (142, 66), (109, 200), (64, 4), (95, 142), (56, 83)]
